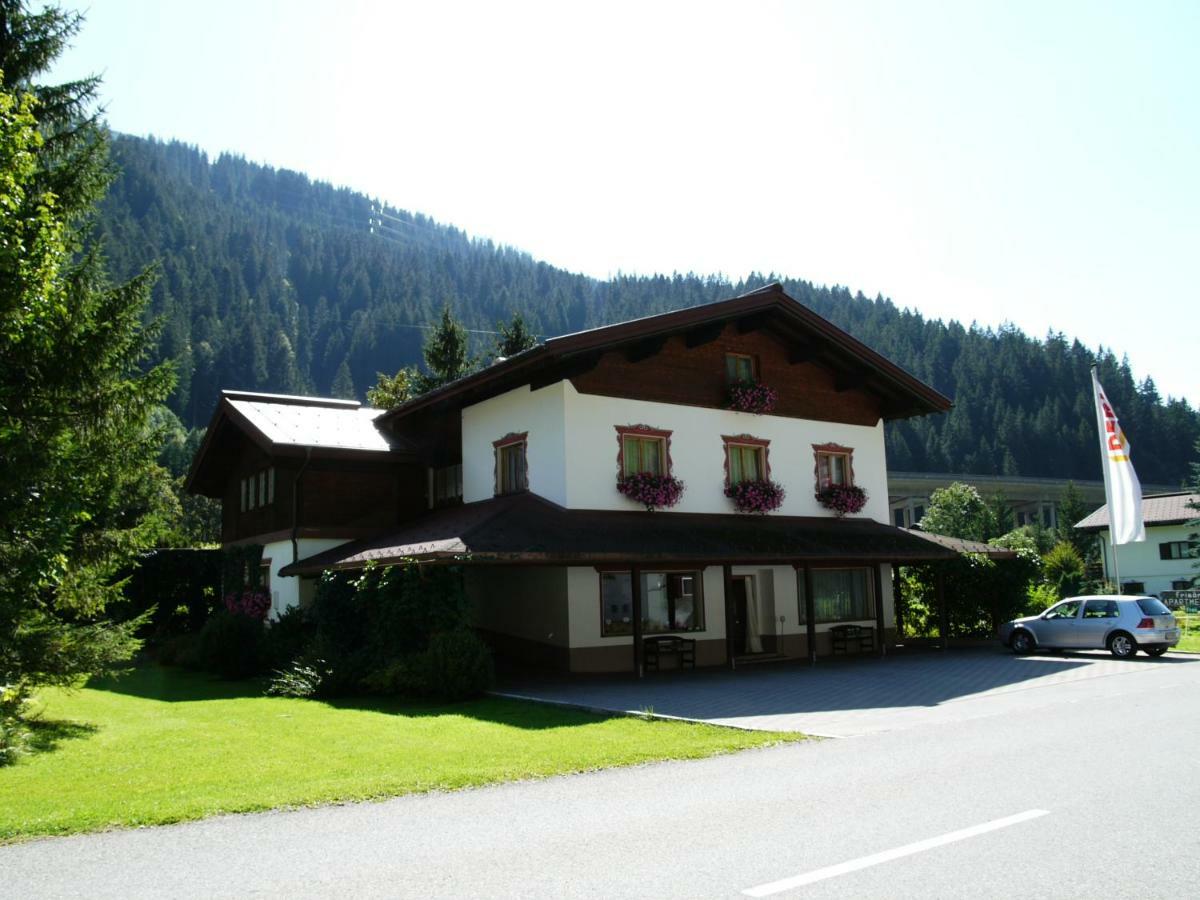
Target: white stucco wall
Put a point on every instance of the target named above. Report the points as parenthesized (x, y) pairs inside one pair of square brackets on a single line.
[(541, 414), (291, 590), (698, 453), (1140, 562)]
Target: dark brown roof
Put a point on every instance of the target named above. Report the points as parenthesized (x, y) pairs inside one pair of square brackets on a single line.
[(767, 308), (1157, 509), (526, 528), (961, 545)]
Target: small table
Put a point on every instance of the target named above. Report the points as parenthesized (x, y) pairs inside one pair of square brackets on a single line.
[(655, 648), (859, 637)]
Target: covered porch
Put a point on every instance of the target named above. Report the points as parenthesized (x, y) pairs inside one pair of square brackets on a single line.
[(607, 591)]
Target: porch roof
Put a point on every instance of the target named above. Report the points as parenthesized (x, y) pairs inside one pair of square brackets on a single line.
[(525, 528)]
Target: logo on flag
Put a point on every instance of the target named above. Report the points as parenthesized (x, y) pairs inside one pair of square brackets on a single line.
[(1121, 486)]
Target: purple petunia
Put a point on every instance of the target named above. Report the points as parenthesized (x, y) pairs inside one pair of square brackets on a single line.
[(653, 491), (842, 498), (752, 397), (756, 496)]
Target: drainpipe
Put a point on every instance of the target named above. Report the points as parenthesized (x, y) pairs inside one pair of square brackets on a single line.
[(296, 505)]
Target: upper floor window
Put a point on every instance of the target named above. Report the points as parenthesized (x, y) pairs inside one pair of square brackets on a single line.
[(512, 472), (740, 369), (643, 450), (258, 490), (745, 459), (833, 465), (1174, 550)]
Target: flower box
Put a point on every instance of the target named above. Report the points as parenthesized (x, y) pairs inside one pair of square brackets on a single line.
[(652, 491), (752, 397), (756, 496), (842, 498)]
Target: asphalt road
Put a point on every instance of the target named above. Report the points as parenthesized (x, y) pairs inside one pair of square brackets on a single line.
[(1088, 797)]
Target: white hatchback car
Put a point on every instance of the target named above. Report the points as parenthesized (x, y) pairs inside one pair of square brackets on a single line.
[(1122, 625)]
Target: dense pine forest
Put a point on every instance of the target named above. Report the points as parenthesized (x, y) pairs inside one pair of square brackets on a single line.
[(270, 281)]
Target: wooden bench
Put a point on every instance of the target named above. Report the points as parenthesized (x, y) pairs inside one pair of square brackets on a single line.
[(655, 648), (859, 637)]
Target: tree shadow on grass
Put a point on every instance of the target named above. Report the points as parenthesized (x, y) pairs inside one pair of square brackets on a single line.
[(46, 734), (523, 714), (170, 684)]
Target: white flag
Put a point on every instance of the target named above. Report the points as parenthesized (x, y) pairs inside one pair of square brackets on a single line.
[(1121, 486)]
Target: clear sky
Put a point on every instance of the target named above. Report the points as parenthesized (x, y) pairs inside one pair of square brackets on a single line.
[(1034, 163)]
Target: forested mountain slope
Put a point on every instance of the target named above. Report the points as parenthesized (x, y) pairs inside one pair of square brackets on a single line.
[(274, 282)]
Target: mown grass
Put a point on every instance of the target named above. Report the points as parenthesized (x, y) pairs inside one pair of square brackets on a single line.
[(164, 745), (1189, 638)]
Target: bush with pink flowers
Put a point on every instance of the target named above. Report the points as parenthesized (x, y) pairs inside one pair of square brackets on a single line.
[(756, 496), (752, 397), (652, 491), (842, 498), (250, 603)]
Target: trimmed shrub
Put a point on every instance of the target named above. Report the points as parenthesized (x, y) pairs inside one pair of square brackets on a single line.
[(456, 665), (1041, 598), (231, 646), (287, 637), (180, 650), (459, 665)]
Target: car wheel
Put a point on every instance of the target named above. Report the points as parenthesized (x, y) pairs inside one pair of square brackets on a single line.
[(1155, 651), (1122, 646), (1021, 642)]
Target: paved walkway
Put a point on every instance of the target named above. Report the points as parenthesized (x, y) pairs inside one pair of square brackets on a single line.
[(844, 698)]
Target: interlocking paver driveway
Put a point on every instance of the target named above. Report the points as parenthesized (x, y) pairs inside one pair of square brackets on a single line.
[(854, 697)]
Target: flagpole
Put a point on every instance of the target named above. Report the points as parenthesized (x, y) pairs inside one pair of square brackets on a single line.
[(1108, 498), (1116, 565)]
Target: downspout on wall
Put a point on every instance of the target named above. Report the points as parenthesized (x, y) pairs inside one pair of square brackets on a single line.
[(296, 505)]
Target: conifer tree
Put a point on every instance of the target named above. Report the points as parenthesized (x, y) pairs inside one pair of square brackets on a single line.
[(1071, 509), (446, 354), (343, 383), (514, 338), (80, 493)]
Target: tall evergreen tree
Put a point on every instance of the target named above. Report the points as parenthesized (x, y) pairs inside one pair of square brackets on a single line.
[(446, 353), (80, 493), (514, 338), (1071, 509)]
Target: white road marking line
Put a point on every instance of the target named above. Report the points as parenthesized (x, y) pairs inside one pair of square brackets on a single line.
[(864, 862)]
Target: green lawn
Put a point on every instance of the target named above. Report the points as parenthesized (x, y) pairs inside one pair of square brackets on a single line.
[(1190, 639), (163, 745)]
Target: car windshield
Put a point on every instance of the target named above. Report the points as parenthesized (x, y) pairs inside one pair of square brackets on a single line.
[(1152, 607)]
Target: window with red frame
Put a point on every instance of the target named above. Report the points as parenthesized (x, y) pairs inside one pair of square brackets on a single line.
[(746, 460), (834, 465), (512, 473)]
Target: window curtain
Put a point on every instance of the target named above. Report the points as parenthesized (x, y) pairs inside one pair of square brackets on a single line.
[(743, 464), (842, 595), (753, 620)]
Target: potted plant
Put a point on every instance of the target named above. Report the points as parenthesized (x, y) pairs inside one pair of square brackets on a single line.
[(842, 498), (760, 497), (752, 397), (652, 491)]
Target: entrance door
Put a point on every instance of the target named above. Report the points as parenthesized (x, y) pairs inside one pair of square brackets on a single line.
[(744, 627)]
